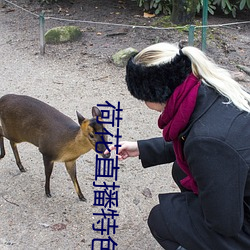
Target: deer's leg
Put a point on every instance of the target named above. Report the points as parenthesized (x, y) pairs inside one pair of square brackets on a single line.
[(18, 161), (71, 168), (1, 144), (48, 165)]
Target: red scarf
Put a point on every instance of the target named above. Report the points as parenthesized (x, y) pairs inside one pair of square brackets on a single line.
[(174, 119)]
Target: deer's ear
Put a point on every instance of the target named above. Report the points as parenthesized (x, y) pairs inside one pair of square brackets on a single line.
[(80, 118), (96, 111)]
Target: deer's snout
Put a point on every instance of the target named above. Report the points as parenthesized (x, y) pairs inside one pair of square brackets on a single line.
[(101, 149), (106, 156)]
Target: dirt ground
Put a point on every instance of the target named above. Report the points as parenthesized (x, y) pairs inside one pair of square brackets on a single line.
[(77, 76)]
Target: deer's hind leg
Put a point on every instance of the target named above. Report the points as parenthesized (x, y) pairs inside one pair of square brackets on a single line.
[(1, 144), (71, 168), (16, 154)]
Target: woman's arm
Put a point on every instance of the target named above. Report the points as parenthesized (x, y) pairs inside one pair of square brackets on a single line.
[(155, 151), (151, 152)]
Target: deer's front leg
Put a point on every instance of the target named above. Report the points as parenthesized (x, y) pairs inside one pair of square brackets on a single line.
[(71, 168), (48, 165)]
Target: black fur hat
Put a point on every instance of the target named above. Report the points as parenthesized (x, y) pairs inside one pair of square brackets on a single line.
[(156, 83)]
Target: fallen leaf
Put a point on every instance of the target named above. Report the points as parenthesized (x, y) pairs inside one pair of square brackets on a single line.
[(147, 15)]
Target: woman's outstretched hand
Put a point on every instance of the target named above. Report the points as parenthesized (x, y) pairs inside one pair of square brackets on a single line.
[(126, 149)]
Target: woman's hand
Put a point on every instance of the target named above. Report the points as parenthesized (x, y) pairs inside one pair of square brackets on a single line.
[(126, 149)]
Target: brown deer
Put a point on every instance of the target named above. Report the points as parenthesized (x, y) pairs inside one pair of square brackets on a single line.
[(58, 138)]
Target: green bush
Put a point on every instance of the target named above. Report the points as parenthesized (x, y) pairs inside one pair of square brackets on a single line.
[(211, 7), (156, 6), (227, 6), (232, 6)]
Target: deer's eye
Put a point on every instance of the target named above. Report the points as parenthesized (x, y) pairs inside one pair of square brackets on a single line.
[(91, 136)]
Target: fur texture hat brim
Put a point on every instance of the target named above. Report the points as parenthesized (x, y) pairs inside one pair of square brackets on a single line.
[(156, 83)]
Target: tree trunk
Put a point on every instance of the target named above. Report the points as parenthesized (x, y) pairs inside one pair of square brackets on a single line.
[(183, 11)]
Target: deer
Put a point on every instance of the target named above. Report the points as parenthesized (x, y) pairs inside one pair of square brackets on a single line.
[(58, 138)]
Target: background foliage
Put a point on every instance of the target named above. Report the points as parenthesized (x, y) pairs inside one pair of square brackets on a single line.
[(227, 6), (165, 6)]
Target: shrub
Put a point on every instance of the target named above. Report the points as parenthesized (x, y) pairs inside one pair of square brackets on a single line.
[(165, 6), (157, 6)]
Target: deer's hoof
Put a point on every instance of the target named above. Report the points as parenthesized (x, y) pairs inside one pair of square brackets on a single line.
[(48, 195), (82, 198)]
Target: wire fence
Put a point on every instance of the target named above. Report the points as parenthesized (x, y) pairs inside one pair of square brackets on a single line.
[(191, 28)]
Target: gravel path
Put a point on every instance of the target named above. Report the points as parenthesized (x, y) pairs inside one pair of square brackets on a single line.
[(72, 77)]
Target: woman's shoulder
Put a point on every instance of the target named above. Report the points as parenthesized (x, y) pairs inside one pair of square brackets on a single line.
[(215, 117)]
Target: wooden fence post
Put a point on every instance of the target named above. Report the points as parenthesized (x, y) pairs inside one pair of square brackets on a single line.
[(42, 31)]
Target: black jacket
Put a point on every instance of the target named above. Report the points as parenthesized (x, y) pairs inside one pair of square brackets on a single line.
[(216, 145)]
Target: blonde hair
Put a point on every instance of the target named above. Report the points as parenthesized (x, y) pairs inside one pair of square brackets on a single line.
[(202, 67)]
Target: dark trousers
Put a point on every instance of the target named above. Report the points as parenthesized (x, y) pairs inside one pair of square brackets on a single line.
[(156, 223)]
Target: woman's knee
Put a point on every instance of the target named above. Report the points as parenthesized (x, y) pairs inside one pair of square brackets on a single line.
[(156, 223), (153, 217), (159, 229)]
